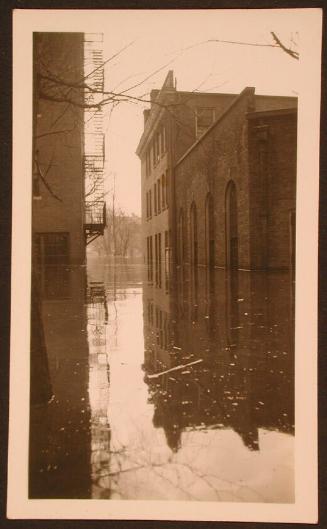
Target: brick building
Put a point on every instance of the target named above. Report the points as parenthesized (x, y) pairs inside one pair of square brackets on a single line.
[(218, 180), (235, 190), (65, 166), (58, 175), (68, 155)]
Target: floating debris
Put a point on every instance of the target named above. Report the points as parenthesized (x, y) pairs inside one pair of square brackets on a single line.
[(156, 375)]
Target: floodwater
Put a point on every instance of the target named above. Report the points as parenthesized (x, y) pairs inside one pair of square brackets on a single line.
[(184, 395)]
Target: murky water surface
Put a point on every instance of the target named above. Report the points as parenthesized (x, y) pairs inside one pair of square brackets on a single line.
[(185, 395)]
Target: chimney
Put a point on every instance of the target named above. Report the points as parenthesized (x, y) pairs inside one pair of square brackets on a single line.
[(153, 95), (146, 114), (169, 81)]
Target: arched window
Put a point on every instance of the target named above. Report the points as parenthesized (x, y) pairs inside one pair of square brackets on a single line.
[(231, 229), (193, 236), (181, 238), (209, 232)]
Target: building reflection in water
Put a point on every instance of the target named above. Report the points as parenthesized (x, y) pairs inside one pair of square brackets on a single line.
[(59, 444), (221, 358), (200, 405), (99, 380), (107, 288)]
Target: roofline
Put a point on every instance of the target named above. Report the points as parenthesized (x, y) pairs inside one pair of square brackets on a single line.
[(159, 102), (268, 113), (270, 96), (277, 97), (246, 90), (195, 92)]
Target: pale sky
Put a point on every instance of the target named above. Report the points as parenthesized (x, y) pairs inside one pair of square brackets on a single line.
[(159, 39)]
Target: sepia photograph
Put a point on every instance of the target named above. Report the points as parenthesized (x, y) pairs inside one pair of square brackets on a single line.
[(165, 202)]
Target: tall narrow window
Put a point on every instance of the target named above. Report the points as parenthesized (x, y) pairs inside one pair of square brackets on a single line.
[(209, 231), (181, 238), (151, 258), (159, 260), (159, 194), (153, 154), (155, 198), (167, 261), (148, 162), (194, 262), (163, 191), (163, 142), (150, 203), (167, 189), (194, 236), (156, 257), (231, 229), (148, 256)]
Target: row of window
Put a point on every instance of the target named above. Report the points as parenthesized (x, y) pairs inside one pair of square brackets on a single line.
[(160, 196), (154, 258), (191, 221), (156, 149), (161, 323)]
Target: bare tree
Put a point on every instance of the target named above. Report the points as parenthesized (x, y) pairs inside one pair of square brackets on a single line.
[(122, 236), (71, 93)]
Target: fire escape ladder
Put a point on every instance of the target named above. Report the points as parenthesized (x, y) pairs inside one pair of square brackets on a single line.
[(95, 206)]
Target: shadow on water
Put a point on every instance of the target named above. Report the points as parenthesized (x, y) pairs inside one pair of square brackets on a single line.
[(59, 454), (234, 342), (139, 375)]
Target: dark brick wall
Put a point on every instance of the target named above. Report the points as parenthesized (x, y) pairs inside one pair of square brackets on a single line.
[(179, 122), (207, 165), (257, 151), (61, 152), (274, 102), (184, 116), (272, 166), (219, 157)]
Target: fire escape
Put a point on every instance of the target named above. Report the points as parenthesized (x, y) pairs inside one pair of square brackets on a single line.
[(94, 146)]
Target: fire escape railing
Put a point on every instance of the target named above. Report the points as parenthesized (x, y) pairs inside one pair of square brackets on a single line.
[(94, 149)]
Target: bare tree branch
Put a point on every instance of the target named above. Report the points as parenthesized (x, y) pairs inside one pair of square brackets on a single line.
[(279, 44), (50, 133), (42, 177)]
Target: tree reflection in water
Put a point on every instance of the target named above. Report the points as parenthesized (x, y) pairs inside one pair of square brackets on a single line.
[(189, 394)]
